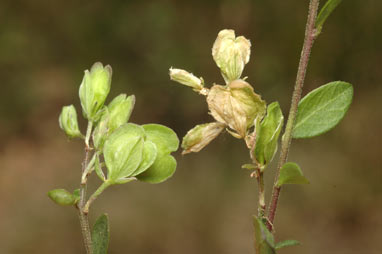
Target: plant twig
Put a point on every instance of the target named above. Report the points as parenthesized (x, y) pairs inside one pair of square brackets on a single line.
[(85, 228), (310, 36), (95, 195), (260, 181)]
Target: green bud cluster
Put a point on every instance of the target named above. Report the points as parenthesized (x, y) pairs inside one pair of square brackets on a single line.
[(128, 151), (94, 89)]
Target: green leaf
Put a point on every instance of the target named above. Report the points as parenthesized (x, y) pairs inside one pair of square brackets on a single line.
[(101, 235), (291, 173), (148, 157), (166, 141), (163, 137), (286, 243), (325, 12), (248, 166), (322, 109), (123, 151), (62, 197), (268, 134), (162, 169), (264, 241)]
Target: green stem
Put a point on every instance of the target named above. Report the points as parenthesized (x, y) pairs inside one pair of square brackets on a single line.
[(88, 133), (95, 195), (310, 36), (85, 228), (261, 206), (88, 169)]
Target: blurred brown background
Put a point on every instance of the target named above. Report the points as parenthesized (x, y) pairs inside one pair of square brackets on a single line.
[(206, 207)]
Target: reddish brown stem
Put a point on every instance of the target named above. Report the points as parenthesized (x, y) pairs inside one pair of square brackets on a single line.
[(310, 36)]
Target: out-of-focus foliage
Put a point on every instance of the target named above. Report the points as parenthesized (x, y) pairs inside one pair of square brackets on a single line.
[(206, 206)]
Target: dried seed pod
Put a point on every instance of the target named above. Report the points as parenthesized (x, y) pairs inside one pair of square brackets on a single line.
[(236, 105), (200, 136), (231, 54)]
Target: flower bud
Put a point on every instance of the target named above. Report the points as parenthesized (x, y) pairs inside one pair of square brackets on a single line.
[(62, 197), (68, 121), (94, 89), (200, 136), (185, 78), (236, 106), (120, 109), (231, 54), (113, 116)]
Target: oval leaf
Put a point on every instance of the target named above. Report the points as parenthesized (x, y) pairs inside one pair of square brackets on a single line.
[(164, 166), (325, 12), (163, 137), (291, 173), (322, 109), (101, 235), (162, 169), (268, 134), (148, 157), (123, 151), (286, 243)]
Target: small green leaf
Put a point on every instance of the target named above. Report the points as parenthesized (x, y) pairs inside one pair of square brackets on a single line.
[(286, 243), (148, 157), (268, 134), (163, 137), (123, 151), (322, 109), (248, 166), (101, 235), (264, 241), (325, 12), (162, 169), (291, 173), (166, 141), (62, 197)]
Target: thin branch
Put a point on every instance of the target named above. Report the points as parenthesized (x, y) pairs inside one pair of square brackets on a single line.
[(310, 36), (85, 228), (95, 195), (261, 205)]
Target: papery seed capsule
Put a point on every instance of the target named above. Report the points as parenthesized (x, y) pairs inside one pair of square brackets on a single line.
[(185, 78), (200, 136), (231, 54)]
